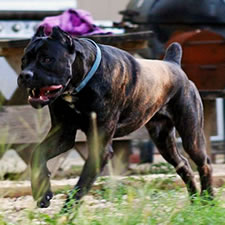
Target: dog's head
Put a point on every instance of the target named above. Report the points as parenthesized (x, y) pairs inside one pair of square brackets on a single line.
[(47, 66)]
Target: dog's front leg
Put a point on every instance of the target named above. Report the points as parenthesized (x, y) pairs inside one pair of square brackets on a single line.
[(57, 141), (100, 151)]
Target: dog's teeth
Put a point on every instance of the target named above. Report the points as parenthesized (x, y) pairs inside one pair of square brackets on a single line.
[(33, 92), (47, 92)]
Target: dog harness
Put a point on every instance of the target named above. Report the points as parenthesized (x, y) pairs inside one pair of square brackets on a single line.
[(93, 69)]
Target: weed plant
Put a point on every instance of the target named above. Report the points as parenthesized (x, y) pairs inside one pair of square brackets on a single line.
[(135, 203)]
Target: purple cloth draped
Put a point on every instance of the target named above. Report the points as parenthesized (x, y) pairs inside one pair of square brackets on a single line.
[(75, 22)]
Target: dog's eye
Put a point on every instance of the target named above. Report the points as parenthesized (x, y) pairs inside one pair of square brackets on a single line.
[(45, 59)]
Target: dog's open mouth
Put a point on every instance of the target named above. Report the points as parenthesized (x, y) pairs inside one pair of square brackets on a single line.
[(41, 96)]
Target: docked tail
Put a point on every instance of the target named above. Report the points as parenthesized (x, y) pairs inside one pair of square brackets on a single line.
[(174, 53)]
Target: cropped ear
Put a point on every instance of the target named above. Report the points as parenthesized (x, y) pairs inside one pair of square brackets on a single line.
[(64, 37), (39, 33), (57, 34)]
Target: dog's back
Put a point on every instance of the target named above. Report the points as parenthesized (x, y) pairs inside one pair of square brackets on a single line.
[(163, 74), (157, 83)]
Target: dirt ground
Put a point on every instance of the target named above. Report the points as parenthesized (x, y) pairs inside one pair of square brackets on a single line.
[(22, 205), (16, 201)]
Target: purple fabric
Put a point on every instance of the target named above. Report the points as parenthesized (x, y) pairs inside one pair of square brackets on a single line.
[(75, 22)]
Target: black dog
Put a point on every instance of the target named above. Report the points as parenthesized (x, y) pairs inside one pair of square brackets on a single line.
[(124, 92)]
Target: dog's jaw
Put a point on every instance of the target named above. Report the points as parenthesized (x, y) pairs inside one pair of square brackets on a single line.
[(39, 97)]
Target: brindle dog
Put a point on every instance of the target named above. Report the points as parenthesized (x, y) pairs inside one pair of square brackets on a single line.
[(125, 93)]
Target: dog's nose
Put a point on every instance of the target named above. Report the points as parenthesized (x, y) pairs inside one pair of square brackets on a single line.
[(26, 75), (24, 78)]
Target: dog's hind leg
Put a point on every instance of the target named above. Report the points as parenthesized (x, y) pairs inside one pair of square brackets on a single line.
[(190, 127), (194, 145), (162, 132)]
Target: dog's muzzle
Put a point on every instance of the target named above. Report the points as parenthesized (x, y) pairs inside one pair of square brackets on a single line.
[(38, 97)]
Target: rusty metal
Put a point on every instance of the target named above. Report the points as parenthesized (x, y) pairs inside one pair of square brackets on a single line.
[(203, 58)]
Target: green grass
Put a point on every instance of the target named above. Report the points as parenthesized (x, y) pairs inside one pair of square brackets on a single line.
[(136, 203), (162, 168)]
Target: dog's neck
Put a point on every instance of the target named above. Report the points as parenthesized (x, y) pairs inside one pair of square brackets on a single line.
[(85, 57)]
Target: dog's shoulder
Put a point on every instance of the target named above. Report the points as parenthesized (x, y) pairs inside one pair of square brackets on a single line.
[(119, 59)]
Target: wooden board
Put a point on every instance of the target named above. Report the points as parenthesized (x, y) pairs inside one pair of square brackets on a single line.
[(130, 41), (23, 124)]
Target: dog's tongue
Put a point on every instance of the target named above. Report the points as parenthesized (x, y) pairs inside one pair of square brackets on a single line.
[(47, 90), (45, 93)]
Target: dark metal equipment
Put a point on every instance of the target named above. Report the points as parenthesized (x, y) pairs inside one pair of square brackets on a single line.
[(175, 12), (199, 26), (165, 17)]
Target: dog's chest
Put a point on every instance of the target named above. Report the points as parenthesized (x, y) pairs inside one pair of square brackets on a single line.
[(70, 101), (78, 105)]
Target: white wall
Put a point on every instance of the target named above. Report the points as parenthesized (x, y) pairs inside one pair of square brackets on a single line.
[(103, 9)]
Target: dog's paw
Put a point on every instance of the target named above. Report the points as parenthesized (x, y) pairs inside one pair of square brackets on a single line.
[(45, 201)]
